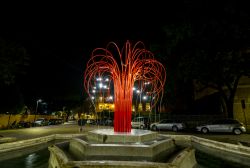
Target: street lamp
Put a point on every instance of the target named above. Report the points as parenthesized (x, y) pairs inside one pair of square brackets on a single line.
[(37, 102)]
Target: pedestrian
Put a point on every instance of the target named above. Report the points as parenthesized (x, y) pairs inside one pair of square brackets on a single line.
[(81, 123)]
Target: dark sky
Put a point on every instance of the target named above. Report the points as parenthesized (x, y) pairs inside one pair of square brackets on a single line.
[(60, 39), (59, 56), (59, 51)]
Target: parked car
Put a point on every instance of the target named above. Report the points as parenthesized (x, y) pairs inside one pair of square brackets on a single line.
[(24, 124), (41, 122), (55, 121), (109, 122), (140, 122), (91, 122), (168, 124), (223, 125), (81, 122), (20, 124)]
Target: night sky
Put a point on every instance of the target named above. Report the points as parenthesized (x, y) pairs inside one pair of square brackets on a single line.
[(59, 41), (59, 51)]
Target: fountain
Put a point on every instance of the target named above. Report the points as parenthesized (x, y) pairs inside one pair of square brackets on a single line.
[(111, 147), (188, 150), (125, 67), (123, 146)]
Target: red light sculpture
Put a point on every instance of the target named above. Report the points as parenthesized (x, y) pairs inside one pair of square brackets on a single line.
[(135, 64)]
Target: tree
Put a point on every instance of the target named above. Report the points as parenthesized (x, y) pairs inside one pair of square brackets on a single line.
[(219, 58), (221, 71), (13, 63), (169, 51), (213, 52)]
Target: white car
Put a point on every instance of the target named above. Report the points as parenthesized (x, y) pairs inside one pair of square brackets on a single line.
[(41, 122), (223, 125), (168, 124), (140, 122)]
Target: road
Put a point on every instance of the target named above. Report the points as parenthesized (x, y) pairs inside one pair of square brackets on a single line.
[(243, 139), (34, 132), (73, 128)]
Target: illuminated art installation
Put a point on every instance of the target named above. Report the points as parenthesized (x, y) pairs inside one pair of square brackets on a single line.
[(133, 63)]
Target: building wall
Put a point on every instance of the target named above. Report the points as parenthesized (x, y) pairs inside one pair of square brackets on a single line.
[(242, 112), (104, 106), (100, 107), (6, 120), (242, 94)]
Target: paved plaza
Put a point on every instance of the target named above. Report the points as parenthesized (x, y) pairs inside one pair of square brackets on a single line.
[(72, 128)]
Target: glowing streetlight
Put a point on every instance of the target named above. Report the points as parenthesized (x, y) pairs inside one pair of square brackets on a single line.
[(37, 102)]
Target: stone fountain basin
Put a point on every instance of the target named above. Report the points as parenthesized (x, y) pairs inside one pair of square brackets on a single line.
[(106, 149), (105, 144), (81, 150), (99, 152)]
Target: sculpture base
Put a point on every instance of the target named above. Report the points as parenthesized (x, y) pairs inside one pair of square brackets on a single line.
[(109, 136)]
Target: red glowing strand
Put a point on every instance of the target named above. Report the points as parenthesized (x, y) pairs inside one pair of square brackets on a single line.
[(136, 64)]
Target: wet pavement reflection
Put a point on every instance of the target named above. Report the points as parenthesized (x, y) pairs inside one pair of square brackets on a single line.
[(38, 159)]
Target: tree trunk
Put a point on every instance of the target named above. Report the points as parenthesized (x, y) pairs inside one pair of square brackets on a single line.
[(230, 111), (230, 98)]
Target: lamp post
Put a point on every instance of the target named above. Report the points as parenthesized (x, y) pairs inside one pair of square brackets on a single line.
[(102, 86), (37, 102)]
